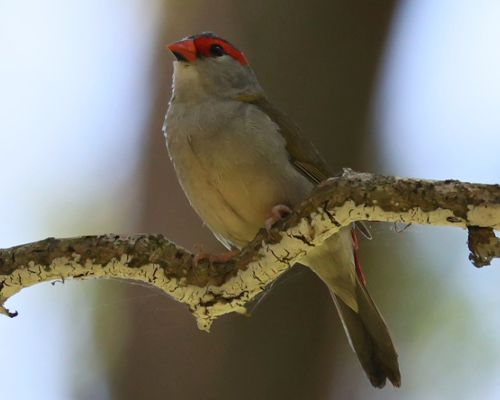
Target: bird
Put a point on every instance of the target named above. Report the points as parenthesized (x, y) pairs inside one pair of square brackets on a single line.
[(244, 164)]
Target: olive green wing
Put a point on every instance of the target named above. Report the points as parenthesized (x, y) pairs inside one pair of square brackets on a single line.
[(303, 155)]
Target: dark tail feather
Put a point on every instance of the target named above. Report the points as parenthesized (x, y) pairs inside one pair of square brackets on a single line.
[(370, 338)]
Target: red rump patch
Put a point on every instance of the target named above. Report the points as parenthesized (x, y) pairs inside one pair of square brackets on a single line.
[(355, 248), (203, 44)]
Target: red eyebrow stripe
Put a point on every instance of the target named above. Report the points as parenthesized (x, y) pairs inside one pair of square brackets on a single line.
[(203, 46)]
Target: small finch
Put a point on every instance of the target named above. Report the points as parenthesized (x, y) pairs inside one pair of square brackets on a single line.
[(242, 164)]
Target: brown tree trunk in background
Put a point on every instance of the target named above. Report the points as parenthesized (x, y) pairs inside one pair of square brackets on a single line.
[(317, 61)]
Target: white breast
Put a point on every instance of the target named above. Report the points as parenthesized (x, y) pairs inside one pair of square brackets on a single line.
[(232, 164)]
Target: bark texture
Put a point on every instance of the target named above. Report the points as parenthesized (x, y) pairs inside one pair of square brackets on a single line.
[(214, 289)]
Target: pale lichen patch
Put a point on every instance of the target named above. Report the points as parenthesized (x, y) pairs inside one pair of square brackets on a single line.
[(485, 216)]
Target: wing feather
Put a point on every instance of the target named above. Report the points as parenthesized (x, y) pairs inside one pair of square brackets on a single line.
[(303, 155)]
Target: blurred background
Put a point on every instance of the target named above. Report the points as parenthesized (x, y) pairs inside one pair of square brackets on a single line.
[(409, 88)]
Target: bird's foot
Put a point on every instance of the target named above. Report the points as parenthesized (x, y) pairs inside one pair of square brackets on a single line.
[(323, 183), (201, 254), (278, 212)]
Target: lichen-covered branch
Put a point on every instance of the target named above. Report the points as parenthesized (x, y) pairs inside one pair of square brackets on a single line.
[(214, 289)]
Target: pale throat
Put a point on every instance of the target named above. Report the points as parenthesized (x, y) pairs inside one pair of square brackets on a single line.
[(187, 82)]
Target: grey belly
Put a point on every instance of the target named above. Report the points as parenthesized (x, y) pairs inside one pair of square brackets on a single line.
[(233, 192)]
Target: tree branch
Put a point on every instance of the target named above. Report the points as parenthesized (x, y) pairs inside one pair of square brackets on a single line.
[(213, 289)]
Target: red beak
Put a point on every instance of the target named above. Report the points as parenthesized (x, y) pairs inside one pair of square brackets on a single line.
[(183, 50)]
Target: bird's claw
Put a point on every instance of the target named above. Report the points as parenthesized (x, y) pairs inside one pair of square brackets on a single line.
[(278, 212), (200, 255)]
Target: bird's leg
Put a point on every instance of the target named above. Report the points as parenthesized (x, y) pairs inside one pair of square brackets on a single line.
[(201, 254), (278, 212)]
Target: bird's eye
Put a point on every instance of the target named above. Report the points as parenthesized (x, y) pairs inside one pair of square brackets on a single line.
[(216, 50)]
